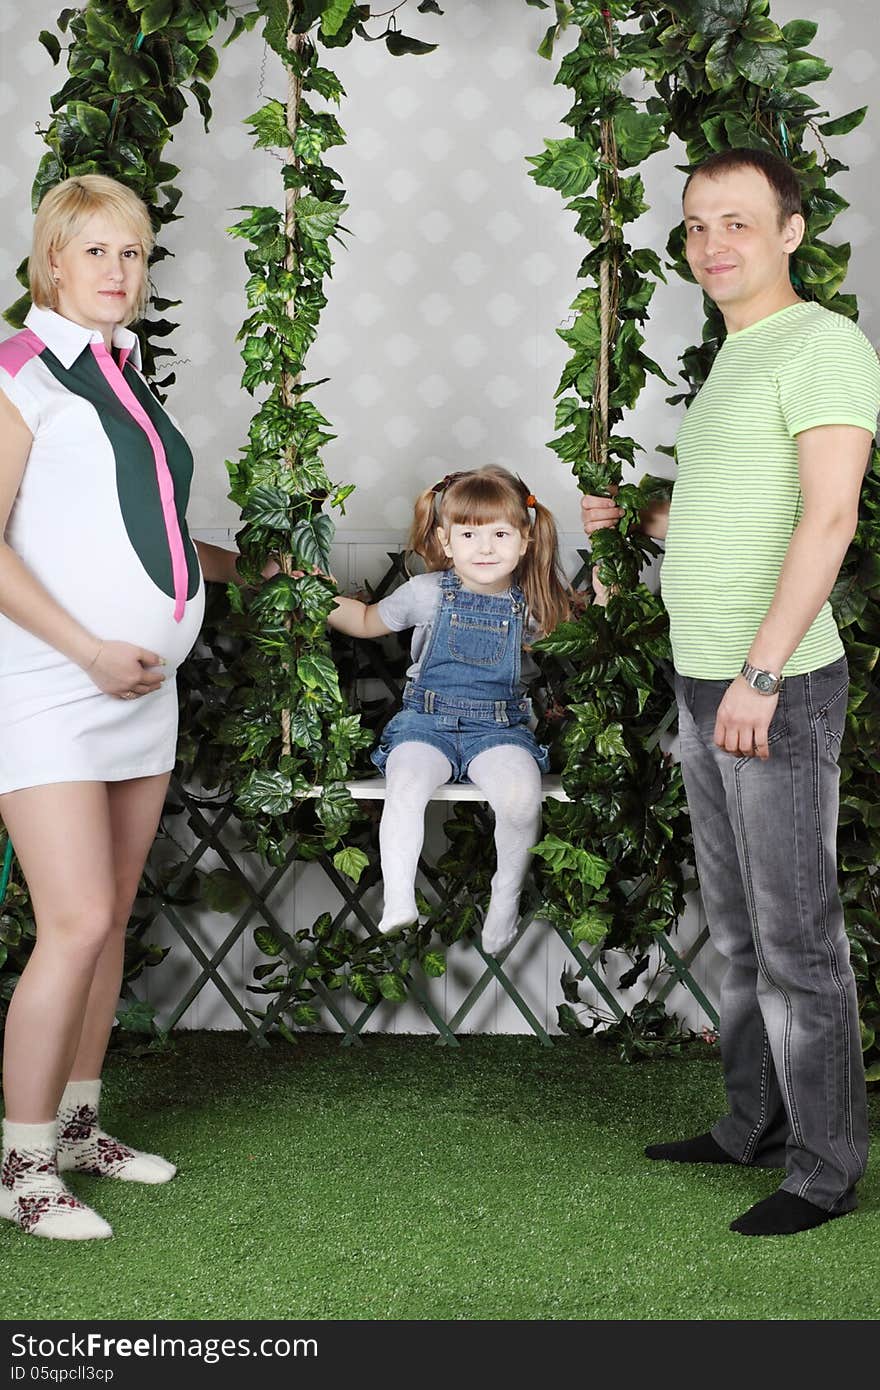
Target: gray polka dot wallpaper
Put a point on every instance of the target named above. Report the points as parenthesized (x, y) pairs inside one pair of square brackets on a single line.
[(440, 335)]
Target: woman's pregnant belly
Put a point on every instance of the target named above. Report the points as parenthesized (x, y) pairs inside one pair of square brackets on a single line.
[(104, 586)]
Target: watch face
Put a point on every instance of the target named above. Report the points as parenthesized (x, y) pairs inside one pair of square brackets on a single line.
[(764, 681)]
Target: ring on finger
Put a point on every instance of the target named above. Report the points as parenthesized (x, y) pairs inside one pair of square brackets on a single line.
[(129, 695)]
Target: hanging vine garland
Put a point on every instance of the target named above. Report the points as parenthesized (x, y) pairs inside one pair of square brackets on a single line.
[(614, 854)]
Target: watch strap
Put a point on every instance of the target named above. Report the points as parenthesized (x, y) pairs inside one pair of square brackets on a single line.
[(765, 682)]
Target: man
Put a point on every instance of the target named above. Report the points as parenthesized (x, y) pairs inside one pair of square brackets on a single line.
[(771, 455)]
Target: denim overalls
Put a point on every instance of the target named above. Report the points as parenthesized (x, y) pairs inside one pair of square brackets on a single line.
[(466, 697)]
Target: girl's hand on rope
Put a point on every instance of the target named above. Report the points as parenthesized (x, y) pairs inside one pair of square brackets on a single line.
[(125, 671), (598, 513)]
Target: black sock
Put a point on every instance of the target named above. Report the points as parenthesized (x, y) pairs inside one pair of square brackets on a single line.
[(703, 1149), (781, 1214)]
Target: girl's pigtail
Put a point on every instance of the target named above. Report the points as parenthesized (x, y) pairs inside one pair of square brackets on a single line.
[(548, 595), (423, 538)]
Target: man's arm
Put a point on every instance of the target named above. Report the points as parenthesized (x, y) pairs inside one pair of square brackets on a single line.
[(831, 466)]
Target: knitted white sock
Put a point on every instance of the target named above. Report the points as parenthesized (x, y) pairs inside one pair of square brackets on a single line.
[(84, 1147), (511, 779), (413, 771), (34, 1196)]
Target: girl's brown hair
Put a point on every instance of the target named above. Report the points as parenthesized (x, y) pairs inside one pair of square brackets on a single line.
[(494, 494), (61, 216)]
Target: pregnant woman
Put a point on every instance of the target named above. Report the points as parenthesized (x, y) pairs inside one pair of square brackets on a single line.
[(101, 598)]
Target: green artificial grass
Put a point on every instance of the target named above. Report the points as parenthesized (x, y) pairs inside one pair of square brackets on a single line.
[(406, 1180)]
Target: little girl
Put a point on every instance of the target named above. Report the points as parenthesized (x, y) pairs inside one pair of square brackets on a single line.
[(493, 585)]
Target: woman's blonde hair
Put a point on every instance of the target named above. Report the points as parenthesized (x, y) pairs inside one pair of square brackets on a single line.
[(61, 216), (495, 494)]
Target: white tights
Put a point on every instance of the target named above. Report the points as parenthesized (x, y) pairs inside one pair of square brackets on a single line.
[(511, 781)]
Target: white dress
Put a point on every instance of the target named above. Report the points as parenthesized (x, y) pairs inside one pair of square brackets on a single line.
[(100, 520)]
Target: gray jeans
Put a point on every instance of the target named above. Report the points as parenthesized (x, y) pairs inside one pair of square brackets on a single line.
[(765, 838)]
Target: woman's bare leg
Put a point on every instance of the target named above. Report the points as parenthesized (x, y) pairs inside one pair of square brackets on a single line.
[(135, 807), (63, 842)]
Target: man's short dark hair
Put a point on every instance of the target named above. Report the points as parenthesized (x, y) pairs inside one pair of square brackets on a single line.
[(776, 170)]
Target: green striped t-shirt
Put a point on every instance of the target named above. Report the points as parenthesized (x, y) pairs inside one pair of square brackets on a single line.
[(737, 496)]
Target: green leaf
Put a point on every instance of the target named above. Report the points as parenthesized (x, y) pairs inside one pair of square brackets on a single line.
[(545, 47), (266, 793), (51, 44), (609, 742), (391, 986), (270, 125), (318, 672), (94, 123), (126, 73), (316, 219), (325, 83), (638, 135), (267, 943), (762, 30), (720, 70), (761, 63), (223, 891), (566, 165), (15, 314), (568, 1020), (399, 44), (806, 70), (208, 63), (310, 541), (591, 869), (156, 15), (136, 1016), (336, 808), (716, 17), (305, 1015), (434, 963), (798, 33), (334, 16), (591, 926), (269, 507), (363, 986), (842, 125), (351, 862)]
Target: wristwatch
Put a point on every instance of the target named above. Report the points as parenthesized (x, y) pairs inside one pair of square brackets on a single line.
[(763, 681)]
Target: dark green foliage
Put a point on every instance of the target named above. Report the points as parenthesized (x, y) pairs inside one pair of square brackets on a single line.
[(611, 862), (129, 67)]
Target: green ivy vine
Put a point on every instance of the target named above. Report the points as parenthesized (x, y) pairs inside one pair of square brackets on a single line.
[(612, 857)]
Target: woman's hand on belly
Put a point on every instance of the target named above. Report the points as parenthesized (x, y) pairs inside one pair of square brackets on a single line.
[(123, 670)]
